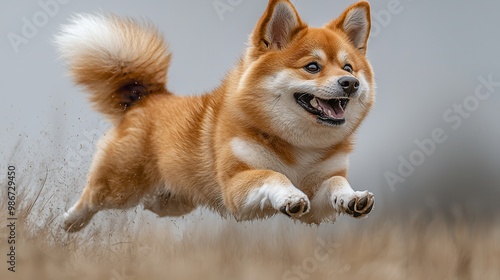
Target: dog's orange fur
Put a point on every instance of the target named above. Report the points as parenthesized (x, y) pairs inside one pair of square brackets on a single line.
[(175, 153)]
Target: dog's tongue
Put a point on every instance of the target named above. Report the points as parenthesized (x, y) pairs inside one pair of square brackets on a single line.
[(336, 111)]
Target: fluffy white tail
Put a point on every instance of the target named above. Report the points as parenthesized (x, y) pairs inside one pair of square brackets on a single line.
[(118, 60)]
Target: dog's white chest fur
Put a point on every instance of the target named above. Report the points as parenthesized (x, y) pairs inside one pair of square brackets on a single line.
[(307, 161)]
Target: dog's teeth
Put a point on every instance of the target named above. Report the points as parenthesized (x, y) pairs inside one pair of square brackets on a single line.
[(330, 112), (318, 107), (314, 103)]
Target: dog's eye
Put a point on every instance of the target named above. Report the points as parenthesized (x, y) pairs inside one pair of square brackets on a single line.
[(348, 68), (312, 68)]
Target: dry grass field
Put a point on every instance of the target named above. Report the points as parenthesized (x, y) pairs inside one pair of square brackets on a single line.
[(128, 245), (125, 248)]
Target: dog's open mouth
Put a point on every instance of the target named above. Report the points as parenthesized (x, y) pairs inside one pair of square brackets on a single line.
[(330, 112)]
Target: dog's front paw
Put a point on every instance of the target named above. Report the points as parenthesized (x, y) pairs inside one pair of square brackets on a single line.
[(294, 205), (357, 204), (275, 197)]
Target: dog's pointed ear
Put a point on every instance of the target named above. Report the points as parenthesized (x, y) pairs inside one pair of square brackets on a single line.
[(355, 21), (277, 27)]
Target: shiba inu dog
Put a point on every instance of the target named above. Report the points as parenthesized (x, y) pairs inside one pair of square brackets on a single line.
[(274, 137)]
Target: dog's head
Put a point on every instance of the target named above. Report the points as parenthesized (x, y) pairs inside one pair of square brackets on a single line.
[(311, 86)]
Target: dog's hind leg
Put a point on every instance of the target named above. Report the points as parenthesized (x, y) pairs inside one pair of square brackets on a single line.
[(120, 175), (81, 213), (104, 191)]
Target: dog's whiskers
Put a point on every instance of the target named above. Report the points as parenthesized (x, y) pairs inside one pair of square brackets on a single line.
[(362, 103), (275, 101)]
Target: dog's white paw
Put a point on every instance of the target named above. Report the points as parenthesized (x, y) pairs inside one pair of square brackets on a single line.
[(76, 219), (355, 203), (294, 205), (279, 197)]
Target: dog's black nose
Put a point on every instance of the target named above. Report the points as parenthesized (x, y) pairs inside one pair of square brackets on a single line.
[(349, 84)]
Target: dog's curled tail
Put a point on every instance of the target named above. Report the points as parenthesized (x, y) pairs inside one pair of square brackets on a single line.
[(118, 60)]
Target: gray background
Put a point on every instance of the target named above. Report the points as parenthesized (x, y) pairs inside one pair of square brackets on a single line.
[(427, 57)]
